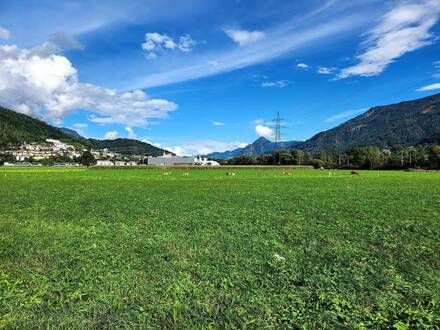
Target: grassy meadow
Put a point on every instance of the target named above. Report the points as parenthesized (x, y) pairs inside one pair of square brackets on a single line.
[(134, 248)]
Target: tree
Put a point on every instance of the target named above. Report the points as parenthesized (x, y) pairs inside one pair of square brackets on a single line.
[(298, 156), (434, 157), (87, 159), (373, 156)]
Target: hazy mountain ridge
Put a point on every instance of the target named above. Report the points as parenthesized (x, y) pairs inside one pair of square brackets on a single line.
[(259, 147)]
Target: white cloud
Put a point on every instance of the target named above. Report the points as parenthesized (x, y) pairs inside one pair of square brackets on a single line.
[(344, 114), (277, 84), (302, 66), (42, 84), (111, 135), (403, 29), (130, 133), (325, 70), (4, 34), (146, 140), (429, 87), (243, 37), (264, 131), (218, 123), (186, 43), (155, 42), (204, 147), (65, 41)]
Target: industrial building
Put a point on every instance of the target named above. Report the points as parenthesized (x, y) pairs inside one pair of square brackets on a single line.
[(170, 160)]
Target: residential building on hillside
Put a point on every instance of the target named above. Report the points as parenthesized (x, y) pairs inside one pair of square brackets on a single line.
[(39, 151)]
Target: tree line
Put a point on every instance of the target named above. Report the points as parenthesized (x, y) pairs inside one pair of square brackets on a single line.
[(398, 157)]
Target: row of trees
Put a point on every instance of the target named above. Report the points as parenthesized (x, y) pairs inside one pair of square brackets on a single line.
[(399, 157)]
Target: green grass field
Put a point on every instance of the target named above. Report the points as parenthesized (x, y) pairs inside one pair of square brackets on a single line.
[(106, 248)]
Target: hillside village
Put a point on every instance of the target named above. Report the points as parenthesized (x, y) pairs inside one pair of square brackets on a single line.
[(55, 152)]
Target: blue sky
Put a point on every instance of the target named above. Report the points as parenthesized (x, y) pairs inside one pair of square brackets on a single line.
[(199, 76)]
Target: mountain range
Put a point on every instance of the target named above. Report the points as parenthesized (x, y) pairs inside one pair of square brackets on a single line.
[(405, 123), (259, 147), (16, 128)]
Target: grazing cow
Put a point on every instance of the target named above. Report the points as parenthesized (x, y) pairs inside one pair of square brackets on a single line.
[(354, 173), (230, 173)]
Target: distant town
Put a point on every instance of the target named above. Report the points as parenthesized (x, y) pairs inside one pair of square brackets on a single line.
[(56, 153)]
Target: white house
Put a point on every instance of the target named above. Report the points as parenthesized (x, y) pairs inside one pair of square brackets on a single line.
[(104, 163), (204, 161)]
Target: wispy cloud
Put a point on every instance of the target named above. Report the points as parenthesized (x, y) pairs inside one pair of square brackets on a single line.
[(345, 114), (403, 29), (218, 123), (283, 39), (302, 66), (80, 126), (4, 33), (243, 37), (437, 67), (325, 70), (276, 84), (429, 87)]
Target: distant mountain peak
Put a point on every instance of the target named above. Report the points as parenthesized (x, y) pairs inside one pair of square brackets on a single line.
[(261, 139), (259, 147)]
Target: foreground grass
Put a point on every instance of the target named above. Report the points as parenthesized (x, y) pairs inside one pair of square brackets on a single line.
[(134, 248)]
